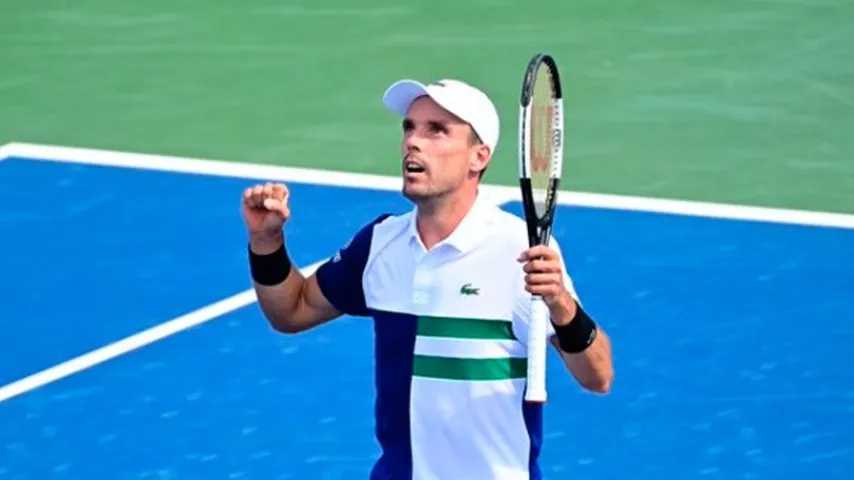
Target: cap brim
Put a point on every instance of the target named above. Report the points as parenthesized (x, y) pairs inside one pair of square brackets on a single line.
[(400, 95)]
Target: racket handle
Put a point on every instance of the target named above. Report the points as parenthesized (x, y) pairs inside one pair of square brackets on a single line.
[(536, 388)]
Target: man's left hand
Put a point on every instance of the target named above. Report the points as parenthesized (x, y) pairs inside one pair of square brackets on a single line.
[(544, 277)]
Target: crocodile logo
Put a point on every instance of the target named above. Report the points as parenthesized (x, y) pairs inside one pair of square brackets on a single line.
[(467, 289)]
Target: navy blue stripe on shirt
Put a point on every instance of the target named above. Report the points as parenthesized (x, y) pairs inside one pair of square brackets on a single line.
[(340, 278), (394, 340), (533, 414)]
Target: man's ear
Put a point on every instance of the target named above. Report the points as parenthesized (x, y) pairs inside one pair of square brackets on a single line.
[(480, 160)]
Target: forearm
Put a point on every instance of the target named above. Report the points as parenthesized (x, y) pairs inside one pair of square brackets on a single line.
[(593, 367), (291, 302), (279, 302)]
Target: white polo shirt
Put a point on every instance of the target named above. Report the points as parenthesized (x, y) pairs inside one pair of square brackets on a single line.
[(450, 329)]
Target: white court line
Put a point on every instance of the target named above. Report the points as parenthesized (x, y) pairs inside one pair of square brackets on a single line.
[(497, 193), (708, 209), (133, 342), (208, 167)]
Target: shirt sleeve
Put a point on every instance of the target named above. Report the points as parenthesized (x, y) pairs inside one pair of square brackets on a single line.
[(340, 277)]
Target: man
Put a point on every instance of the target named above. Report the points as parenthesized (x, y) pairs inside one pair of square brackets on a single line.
[(449, 286)]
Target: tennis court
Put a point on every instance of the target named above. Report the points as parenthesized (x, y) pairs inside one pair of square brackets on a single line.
[(716, 245), (731, 351)]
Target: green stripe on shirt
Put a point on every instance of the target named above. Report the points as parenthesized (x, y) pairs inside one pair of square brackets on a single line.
[(469, 368), (450, 327)]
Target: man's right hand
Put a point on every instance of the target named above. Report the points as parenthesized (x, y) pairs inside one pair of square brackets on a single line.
[(265, 211)]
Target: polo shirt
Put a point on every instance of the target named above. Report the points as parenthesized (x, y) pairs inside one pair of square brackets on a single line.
[(450, 327)]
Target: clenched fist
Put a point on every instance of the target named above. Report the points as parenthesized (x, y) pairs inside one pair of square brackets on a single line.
[(265, 211)]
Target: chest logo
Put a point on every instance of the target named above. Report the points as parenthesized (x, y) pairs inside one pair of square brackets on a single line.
[(467, 289)]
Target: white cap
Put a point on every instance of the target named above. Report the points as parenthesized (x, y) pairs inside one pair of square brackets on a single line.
[(459, 98)]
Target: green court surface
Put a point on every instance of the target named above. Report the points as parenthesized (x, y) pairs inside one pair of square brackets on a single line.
[(748, 102)]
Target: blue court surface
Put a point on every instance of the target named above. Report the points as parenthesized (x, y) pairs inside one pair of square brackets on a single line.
[(732, 339)]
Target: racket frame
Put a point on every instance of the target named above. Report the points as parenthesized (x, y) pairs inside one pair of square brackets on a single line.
[(539, 228)]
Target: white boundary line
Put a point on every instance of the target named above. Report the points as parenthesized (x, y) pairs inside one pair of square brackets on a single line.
[(497, 193), (207, 167), (708, 209), (133, 342)]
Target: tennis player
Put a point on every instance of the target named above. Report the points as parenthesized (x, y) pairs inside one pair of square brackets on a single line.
[(449, 288)]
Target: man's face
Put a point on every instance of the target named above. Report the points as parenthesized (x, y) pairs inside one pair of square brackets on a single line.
[(438, 151)]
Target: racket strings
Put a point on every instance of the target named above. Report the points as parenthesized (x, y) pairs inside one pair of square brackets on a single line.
[(541, 147)]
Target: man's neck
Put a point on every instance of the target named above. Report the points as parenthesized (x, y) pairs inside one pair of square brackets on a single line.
[(438, 218)]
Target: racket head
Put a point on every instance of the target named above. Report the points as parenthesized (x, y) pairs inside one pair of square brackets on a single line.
[(540, 144)]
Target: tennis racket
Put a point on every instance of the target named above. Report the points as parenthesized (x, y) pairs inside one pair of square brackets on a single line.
[(540, 159)]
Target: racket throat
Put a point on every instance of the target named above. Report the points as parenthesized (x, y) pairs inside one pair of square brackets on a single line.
[(539, 228)]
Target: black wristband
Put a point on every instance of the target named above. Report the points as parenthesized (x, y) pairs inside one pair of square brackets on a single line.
[(578, 334), (270, 269)]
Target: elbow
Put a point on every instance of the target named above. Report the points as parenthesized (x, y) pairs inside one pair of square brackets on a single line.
[(282, 326), (600, 384), (602, 387), (281, 322)]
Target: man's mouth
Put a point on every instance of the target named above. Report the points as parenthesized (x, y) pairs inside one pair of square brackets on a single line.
[(410, 166)]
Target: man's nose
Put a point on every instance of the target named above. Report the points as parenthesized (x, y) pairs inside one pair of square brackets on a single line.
[(411, 142)]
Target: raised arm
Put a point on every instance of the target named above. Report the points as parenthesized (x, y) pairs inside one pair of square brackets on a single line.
[(291, 302), (583, 346)]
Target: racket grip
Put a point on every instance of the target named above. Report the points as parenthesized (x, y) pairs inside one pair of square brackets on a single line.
[(536, 388)]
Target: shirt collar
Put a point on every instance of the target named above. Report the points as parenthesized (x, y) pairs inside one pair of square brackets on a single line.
[(467, 234)]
